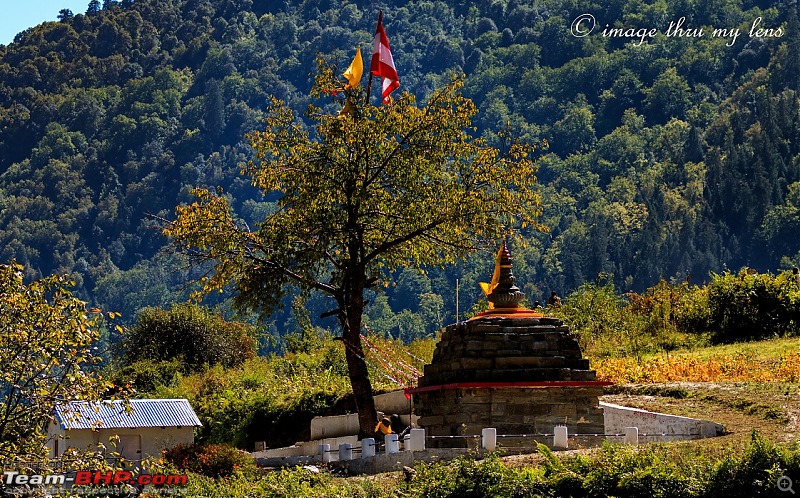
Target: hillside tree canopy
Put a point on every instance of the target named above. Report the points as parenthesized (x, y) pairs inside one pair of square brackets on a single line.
[(671, 158), (361, 193)]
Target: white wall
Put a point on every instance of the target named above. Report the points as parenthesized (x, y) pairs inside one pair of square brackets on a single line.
[(617, 418), (153, 439), (393, 402)]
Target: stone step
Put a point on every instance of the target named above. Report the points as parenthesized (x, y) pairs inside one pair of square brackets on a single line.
[(445, 376)]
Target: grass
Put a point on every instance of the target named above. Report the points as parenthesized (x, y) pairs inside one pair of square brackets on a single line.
[(762, 350), (741, 407), (718, 383), (775, 360)]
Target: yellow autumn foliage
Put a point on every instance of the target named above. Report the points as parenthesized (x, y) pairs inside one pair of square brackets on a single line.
[(737, 367)]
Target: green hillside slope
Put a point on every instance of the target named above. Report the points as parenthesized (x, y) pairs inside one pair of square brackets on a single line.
[(670, 155)]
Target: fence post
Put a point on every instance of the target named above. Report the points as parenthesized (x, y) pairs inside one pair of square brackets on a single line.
[(345, 452), (392, 446), (416, 439), (367, 447), (489, 438), (323, 450), (560, 437), (632, 435)]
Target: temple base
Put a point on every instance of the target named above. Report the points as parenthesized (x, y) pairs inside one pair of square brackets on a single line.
[(522, 375)]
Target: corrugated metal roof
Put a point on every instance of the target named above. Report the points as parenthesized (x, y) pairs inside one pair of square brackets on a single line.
[(113, 415)]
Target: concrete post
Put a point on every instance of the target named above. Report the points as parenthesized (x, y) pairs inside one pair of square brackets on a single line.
[(407, 443), (323, 450), (632, 435), (367, 447), (560, 437), (489, 438), (345, 452), (392, 445), (416, 439)]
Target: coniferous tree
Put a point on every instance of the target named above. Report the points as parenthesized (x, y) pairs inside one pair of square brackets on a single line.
[(792, 77), (94, 7)]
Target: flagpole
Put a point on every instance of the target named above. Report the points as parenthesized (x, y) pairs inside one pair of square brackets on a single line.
[(369, 81)]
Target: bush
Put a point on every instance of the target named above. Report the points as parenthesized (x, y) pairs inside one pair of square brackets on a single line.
[(632, 325), (213, 460), (266, 399), (657, 471), (748, 306), (730, 308), (467, 478), (273, 399), (191, 333), (594, 312), (145, 376), (294, 483), (755, 473)]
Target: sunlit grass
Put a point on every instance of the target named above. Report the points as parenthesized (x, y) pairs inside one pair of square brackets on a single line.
[(776, 360)]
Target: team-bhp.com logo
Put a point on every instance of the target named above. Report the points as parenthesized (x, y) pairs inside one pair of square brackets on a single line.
[(88, 479)]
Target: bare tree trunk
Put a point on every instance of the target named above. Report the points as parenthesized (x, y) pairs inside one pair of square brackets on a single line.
[(356, 363), (362, 387)]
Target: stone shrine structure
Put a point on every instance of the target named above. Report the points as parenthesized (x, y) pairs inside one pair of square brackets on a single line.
[(509, 368)]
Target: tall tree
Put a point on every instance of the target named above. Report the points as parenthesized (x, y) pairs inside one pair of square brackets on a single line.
[(94, 6), (793, 57), (362, 193), (47, 353), (215, 109)]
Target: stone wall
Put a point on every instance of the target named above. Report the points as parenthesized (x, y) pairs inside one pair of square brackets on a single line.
[(657, 426), (512, 411), (507, 350), (489, 353)]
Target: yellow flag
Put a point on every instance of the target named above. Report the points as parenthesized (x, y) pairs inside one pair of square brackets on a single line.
[(488, 288), (354, 72)]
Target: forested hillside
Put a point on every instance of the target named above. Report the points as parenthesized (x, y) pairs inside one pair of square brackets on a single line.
[(670, 157)]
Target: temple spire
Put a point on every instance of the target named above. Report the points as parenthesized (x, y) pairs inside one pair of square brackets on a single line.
[(505, 294)]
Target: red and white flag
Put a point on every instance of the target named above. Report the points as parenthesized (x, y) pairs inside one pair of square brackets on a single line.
[(382, 63)]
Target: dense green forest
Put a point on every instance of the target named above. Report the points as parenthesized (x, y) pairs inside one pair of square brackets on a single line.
[(669, 158)]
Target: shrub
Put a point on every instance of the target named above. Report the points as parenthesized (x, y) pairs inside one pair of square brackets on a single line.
[(213, 460), (749, 306), (631, 325), (146, 375), (738, 367), (593, 312), (657, 471), (191, 333), (730, 308), (266, 399), (467, 478), (755, 473)]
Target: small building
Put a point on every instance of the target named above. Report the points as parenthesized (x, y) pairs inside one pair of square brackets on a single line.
[(145, 426)]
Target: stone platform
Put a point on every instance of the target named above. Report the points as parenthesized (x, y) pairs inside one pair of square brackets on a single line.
[(519, 375), (502, 349)]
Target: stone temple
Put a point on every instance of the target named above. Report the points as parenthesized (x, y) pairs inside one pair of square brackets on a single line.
[(509, 368)]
